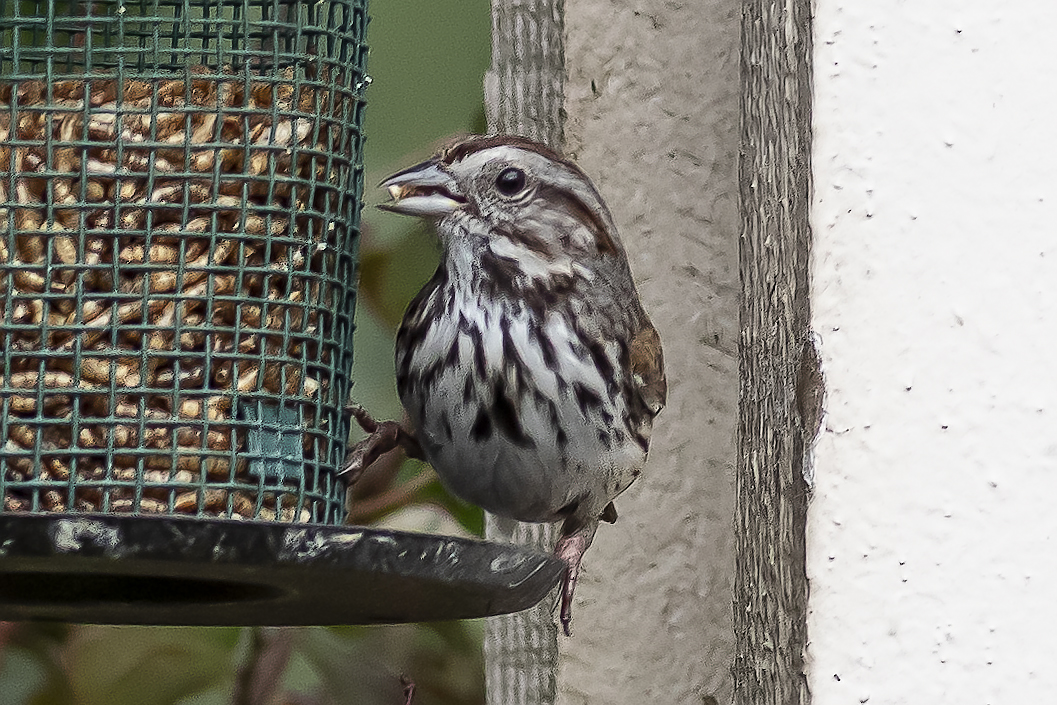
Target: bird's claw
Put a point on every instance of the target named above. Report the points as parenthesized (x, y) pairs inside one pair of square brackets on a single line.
[(384, 436), (363, 418)]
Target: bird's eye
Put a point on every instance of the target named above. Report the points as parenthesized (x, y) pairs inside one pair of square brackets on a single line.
[(510, 181)]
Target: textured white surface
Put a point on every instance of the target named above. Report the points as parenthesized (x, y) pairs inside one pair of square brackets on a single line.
[(652, 100), (932, 533)]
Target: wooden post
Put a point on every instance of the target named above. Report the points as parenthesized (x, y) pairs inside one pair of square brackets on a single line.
[(779, 384), (524, 94), (524, 90)]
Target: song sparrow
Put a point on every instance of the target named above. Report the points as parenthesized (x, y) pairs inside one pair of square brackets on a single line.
[(528, 368)]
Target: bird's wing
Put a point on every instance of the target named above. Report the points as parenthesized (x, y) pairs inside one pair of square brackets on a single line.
[(647, 368)]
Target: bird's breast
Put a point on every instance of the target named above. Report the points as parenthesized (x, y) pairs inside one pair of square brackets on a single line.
[(517, 412)]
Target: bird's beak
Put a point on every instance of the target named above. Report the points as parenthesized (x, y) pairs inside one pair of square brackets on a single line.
[(425, 190)]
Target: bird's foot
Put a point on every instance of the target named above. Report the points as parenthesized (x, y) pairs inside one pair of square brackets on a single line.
[(409, 689), (570, 550), (384, 436)]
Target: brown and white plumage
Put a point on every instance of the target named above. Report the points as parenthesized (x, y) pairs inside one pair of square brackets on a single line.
[(527, 365)]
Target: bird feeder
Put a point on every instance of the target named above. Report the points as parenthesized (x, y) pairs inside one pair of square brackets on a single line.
[(180, 188)]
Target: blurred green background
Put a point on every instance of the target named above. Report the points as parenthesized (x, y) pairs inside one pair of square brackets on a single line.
[(428, 59)]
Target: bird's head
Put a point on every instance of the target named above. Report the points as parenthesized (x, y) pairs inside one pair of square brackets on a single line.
[(525, 198)]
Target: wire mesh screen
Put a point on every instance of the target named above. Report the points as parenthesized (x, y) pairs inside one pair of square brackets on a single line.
[(179, 204)]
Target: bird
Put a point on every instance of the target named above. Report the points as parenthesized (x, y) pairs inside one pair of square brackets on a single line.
[(528, 368)]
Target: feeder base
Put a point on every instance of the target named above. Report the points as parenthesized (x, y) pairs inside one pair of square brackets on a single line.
[(106, 569)]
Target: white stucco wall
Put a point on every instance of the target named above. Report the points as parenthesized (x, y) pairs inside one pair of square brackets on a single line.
[(932, 530)]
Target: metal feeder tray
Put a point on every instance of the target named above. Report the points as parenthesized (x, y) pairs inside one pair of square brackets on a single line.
[(108, 569)]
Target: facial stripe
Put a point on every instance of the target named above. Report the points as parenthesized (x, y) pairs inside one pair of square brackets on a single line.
[(590, 218)]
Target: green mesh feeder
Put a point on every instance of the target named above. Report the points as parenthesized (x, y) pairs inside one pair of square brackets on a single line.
[(180, 188)]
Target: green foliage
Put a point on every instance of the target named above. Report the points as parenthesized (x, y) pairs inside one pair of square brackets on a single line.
[(199, 666), (106, 666), (391, 275), (43, 665)]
